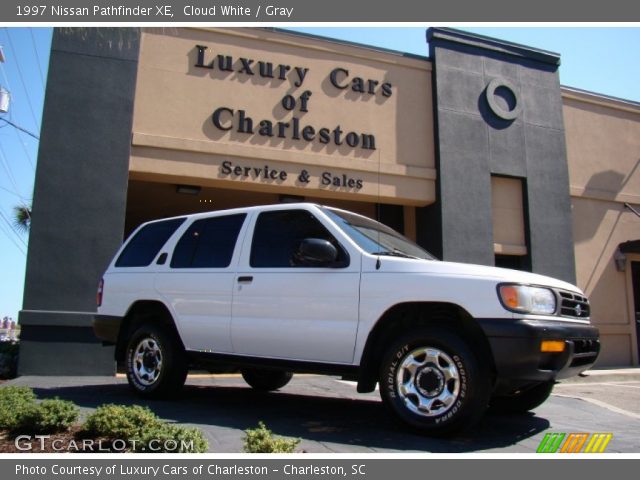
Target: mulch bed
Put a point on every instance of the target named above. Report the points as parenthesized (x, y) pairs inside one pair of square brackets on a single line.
[(70, 441)]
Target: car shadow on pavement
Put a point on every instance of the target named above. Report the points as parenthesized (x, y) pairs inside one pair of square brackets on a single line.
[(359, 423)]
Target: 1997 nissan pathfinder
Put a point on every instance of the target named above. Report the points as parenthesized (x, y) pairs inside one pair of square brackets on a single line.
[(304, 288)]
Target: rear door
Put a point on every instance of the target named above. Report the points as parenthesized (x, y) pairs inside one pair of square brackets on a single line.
[(197, 281), (282, 309)]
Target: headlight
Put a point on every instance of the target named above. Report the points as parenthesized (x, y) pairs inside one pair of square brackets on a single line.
[(526, 299)]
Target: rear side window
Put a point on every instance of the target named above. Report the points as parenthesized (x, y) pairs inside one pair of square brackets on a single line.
[(143, 248), (208, 243)]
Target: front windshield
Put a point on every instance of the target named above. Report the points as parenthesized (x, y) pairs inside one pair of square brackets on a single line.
[(376, 238)]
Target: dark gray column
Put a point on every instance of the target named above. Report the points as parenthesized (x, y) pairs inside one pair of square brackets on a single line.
[(474, 142), (79, 197)]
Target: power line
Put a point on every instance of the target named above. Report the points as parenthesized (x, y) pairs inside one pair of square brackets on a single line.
[(35, 50), (18, 129), (10, 176), (21, 128), (25, 150), (24, 85), (11, 192), (5, 164), (14, 232), (12, 228), (2, 229)]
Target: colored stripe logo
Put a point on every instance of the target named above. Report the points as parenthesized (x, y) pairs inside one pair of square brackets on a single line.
[(598, 442), (574, 443)]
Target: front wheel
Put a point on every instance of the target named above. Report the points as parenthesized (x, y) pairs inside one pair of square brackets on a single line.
[(431, 380), (266, 380), (156, 364)]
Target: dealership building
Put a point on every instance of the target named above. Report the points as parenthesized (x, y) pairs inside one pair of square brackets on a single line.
[(474, 150)]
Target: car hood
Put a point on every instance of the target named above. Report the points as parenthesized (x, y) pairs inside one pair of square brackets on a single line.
[(396, 264)]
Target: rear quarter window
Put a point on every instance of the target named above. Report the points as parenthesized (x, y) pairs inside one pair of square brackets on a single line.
[(147, 242)]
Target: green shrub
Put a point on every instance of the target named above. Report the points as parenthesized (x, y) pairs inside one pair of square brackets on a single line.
[(144, 431), (260, 440), (120, 422), (48, 416), (170, 438), (14, 402), (19, 412)]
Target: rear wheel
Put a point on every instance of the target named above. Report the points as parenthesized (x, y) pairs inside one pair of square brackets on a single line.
[(266, 380), (155, 362), (431, 380), (524, 400)]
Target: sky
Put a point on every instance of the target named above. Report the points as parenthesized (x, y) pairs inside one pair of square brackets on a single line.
[(599, 59)]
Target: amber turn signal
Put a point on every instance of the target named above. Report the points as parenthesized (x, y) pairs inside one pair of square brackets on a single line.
[(552, 346), (510, 296)]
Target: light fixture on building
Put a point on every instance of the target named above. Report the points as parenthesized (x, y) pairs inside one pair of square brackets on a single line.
[(291, 199), (620, 260), (188, 189), (626, 205)]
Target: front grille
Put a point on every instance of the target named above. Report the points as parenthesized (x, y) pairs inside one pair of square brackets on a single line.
[(585, 351), (574, 305), (583, 345)]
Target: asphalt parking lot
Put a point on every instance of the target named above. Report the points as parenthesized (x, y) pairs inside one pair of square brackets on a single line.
[(329, 416)]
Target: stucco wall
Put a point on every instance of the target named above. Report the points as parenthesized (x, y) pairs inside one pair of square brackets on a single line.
[(603, 151), (175, 138)]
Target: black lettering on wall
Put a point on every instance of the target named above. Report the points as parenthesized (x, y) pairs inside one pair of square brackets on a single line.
[(200, 62), (216, 118), (338, 74), (246, 66), (225, 63)]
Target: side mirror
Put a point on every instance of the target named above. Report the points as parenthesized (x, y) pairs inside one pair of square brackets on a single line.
[(316, 252)]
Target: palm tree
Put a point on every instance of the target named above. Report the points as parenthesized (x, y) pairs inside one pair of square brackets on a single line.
[(22, 218)]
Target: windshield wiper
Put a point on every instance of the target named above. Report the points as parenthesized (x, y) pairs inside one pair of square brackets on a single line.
[(396, 253)]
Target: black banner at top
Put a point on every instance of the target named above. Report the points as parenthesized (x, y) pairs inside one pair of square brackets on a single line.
[(331, 11)]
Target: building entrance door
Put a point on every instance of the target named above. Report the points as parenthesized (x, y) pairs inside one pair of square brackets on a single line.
[(635, 279)]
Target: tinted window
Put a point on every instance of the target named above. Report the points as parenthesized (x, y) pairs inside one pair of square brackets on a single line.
[(143, 248), (208, 243), (278, 235)]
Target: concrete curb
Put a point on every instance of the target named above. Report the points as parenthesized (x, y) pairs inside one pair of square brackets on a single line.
[(606, 375)]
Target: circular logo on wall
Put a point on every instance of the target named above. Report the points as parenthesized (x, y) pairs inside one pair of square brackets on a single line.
[(500, 88)]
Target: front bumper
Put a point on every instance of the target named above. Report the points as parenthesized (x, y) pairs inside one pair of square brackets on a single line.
[(516, 349)]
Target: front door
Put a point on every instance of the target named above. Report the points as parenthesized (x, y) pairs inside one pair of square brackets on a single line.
[(284, 309)]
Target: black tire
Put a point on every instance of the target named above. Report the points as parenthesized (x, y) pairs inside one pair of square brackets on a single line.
[(431, 380), (148, 345), (266, 380), (524, 400)]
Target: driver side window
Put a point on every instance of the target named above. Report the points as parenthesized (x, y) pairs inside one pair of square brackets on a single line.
[(277, 237)]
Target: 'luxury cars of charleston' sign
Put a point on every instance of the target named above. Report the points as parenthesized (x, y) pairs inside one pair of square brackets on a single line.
[(226, 118)]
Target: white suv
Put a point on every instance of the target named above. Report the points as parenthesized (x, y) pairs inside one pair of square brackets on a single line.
[(304, 288)]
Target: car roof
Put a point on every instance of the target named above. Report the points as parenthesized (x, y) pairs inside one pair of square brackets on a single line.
[(232, 211)]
